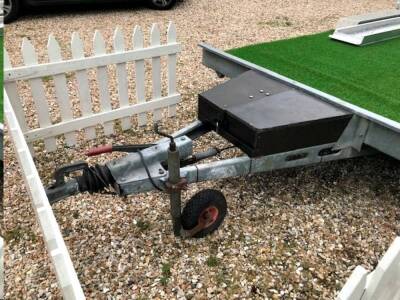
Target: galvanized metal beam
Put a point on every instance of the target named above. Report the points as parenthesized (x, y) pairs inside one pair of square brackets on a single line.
[(136, 180), (245, 165)]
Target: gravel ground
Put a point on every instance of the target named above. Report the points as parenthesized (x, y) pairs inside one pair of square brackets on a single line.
[(294, 234)]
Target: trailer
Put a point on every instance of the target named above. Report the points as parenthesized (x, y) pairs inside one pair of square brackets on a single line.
[(277, 123)]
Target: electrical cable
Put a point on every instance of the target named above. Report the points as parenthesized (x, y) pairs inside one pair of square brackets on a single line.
[(224, 149), (148, 172)]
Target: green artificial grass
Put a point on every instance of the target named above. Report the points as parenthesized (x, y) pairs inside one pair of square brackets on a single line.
[(368, 76)]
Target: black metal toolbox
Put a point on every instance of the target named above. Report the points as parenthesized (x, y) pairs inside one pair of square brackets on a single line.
[(263, 116)]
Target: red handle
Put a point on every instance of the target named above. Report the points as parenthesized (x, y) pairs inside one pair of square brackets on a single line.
[(99, 150)]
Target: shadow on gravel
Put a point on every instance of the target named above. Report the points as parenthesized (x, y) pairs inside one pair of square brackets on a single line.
[(46, 11), (375, 177)]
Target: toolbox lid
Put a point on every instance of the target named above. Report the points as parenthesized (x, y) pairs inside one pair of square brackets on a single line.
[(264, 103), (248, 86), (287, 108)]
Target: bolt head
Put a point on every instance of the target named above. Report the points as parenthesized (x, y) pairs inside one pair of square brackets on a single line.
[(261, 91), (267, 94), (251, 96)]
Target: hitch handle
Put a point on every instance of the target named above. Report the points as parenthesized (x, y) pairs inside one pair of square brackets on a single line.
[(99, 150), (172, 145), (119, 148)]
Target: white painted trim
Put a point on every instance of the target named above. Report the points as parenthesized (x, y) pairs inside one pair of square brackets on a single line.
[(1, 268), (383, 283), (354, 288), (100, 118), (54, 68), (65, 272)]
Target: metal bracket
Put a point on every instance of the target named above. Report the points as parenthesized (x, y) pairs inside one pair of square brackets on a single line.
[(354, 134), (130, 174), (181, 185), (60, 173)]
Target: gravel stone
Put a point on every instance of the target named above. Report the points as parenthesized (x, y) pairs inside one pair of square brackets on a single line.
[(294, 234)]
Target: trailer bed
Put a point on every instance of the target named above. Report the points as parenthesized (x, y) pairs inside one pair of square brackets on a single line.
[(367, 77), (368, 128)]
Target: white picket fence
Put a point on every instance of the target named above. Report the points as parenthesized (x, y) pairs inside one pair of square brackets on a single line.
[(65, 272), (1, 268), (57, 69), (1, 17), (23, 136), (381, 284)]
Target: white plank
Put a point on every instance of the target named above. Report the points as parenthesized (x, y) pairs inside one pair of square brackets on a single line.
[(1, 268), (38, 93), (99, 49), (50, 69), (140, 74), (122, 75), (355, 286), (83, 84), (114, 114), (156, 71), (171, 65), (12, 91), (60, 83), (66, 276), (384, 282)]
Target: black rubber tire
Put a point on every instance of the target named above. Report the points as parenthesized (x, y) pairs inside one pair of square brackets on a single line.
[(197, 204), (155, 5), (14, 11)]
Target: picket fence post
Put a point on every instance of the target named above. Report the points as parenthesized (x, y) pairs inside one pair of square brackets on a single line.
[(58, 71)]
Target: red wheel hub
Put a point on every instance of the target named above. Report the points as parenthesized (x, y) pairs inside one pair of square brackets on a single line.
[(208, 216)]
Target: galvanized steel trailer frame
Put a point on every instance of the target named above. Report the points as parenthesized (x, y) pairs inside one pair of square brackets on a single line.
[(365, 128), (373, 130), (146, 170)]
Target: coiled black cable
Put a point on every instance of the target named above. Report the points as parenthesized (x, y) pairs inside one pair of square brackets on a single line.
[(95, 179)]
